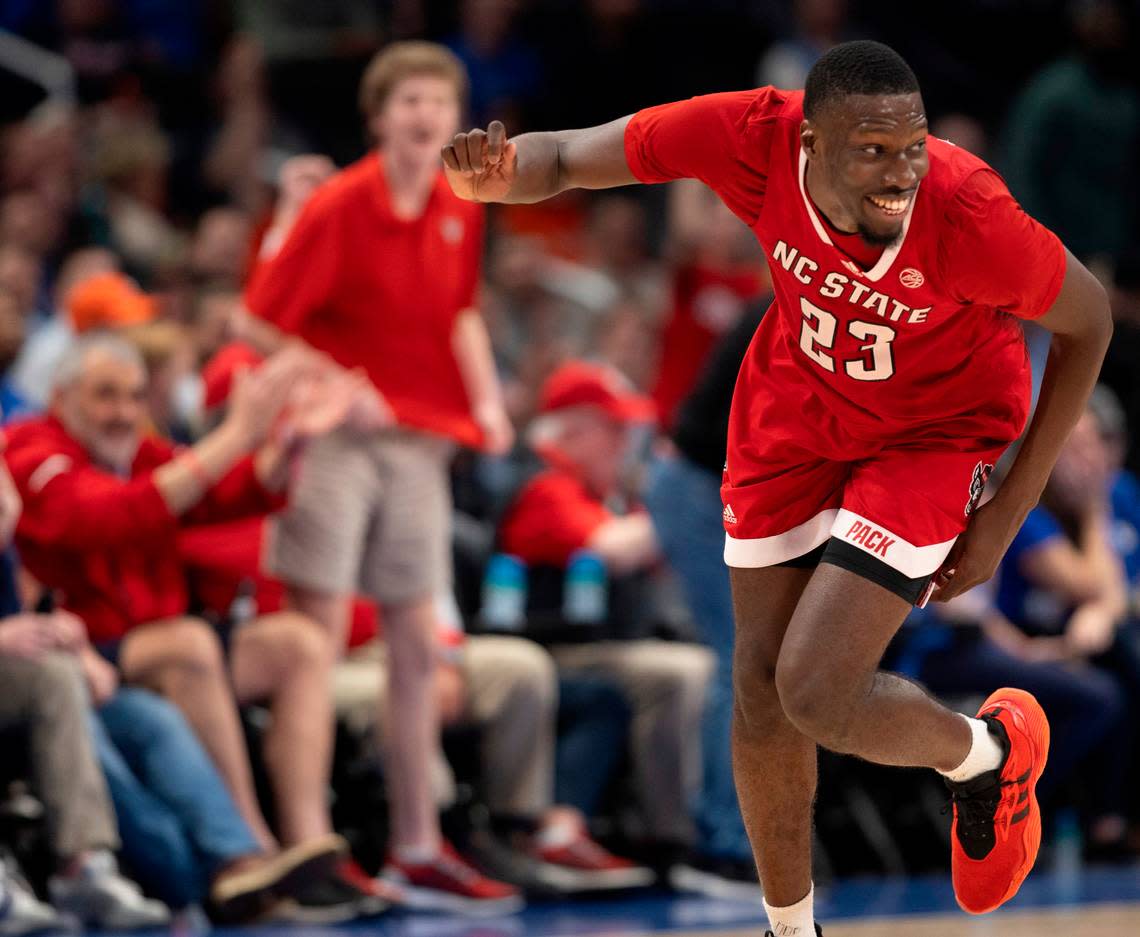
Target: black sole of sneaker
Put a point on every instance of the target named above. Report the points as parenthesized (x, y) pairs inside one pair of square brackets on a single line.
[(284, 877)]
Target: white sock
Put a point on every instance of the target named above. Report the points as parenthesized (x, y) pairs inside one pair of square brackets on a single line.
[(416, 855), (985, 754), (797, 920)]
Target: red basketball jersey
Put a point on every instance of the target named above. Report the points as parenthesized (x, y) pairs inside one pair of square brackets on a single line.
[(923, 344)]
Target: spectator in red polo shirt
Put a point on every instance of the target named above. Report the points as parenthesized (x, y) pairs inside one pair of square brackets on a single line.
[(103, 505), (379, 274), (581, 437)]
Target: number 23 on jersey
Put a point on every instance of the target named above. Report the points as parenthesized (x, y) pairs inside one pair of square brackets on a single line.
[(817, 339)]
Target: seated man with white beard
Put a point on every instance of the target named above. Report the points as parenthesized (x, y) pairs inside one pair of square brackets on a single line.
[(103, 505)]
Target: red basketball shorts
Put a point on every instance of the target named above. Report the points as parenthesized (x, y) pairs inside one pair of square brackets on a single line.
[(796, 482)]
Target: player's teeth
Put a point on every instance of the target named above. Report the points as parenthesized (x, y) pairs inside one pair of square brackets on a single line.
[(891, 205)]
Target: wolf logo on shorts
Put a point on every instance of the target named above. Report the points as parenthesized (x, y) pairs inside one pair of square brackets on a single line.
[(978, 485)]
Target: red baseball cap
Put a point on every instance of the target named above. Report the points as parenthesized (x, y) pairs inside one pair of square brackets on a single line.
[(582, 383)]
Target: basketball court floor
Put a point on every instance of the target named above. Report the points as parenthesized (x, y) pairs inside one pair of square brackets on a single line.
[(1078, 903)]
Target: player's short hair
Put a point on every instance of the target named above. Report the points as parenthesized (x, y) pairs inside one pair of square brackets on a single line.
[(400, 60), (859, 67)]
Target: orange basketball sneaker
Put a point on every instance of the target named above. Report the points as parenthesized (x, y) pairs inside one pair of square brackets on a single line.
[(997, 823)]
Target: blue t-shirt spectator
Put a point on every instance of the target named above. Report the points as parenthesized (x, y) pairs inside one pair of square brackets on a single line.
[(1126, 523), (13, 404), (1036, 610)]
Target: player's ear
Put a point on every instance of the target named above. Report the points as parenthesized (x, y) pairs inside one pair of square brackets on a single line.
[(808, 138)]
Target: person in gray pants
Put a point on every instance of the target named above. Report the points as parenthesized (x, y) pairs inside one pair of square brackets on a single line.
[(45, 698)]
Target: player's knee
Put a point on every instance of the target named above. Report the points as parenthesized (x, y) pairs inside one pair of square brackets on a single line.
[(756, 700), (808, 699)]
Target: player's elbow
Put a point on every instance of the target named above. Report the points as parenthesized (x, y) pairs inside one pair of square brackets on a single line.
[(1096, 318), (1100, 314)]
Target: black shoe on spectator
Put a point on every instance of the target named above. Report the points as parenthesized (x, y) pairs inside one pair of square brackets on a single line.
[(333, 899), (730, 879)]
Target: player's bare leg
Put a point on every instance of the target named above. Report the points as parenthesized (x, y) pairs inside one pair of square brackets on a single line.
[(831, 688), (808, 646), (774, 762)]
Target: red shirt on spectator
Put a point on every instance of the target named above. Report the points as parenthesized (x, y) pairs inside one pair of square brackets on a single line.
[(109, 545), (220, 557), (381, 293), (707, 302), (553, 516)]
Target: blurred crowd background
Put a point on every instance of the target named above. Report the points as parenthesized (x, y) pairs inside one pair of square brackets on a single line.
[(152, 150)]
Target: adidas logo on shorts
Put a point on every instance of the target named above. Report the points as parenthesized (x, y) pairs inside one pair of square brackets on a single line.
[(729, 516)]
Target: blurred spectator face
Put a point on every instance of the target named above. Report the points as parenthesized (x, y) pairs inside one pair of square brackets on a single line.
[(169, 354), (215, 311), (1112, 425), (587, 411), (221, 244), (727, 239), (595, 442), (28, 220), (42, 153), (132, 157), (419, 116), (20, 272), (1082, 470), (626, 340), (617, 233), (103, 407), (83, 264), (12, 328)]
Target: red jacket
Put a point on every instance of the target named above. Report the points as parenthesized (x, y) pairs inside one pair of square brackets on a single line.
[(109, 545)]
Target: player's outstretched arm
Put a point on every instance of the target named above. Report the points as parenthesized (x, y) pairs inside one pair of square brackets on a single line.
[(486, 166), (1081, 322)]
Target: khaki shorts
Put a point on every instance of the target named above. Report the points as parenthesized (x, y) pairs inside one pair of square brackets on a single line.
[(368, 513)]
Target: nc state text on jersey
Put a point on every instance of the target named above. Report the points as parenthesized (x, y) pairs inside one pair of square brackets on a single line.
[(836, 285)]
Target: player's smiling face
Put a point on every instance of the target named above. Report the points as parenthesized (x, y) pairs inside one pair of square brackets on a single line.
[(866, 157)]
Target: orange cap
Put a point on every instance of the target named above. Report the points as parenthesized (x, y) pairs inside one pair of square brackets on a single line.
[(108, 300)]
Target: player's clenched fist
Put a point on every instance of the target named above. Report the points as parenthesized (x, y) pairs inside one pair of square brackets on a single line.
[(481, 164)]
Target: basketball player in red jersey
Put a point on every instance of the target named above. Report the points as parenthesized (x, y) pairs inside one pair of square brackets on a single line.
[(877, 394)]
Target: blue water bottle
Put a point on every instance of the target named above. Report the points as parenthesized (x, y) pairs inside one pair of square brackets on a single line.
[(585, 595), (504, 593)]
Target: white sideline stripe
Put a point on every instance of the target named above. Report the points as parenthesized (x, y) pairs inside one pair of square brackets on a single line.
[(913, 562), (779, 548)]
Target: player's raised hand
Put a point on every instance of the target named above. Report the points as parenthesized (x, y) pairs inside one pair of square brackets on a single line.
[(481, 164)]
